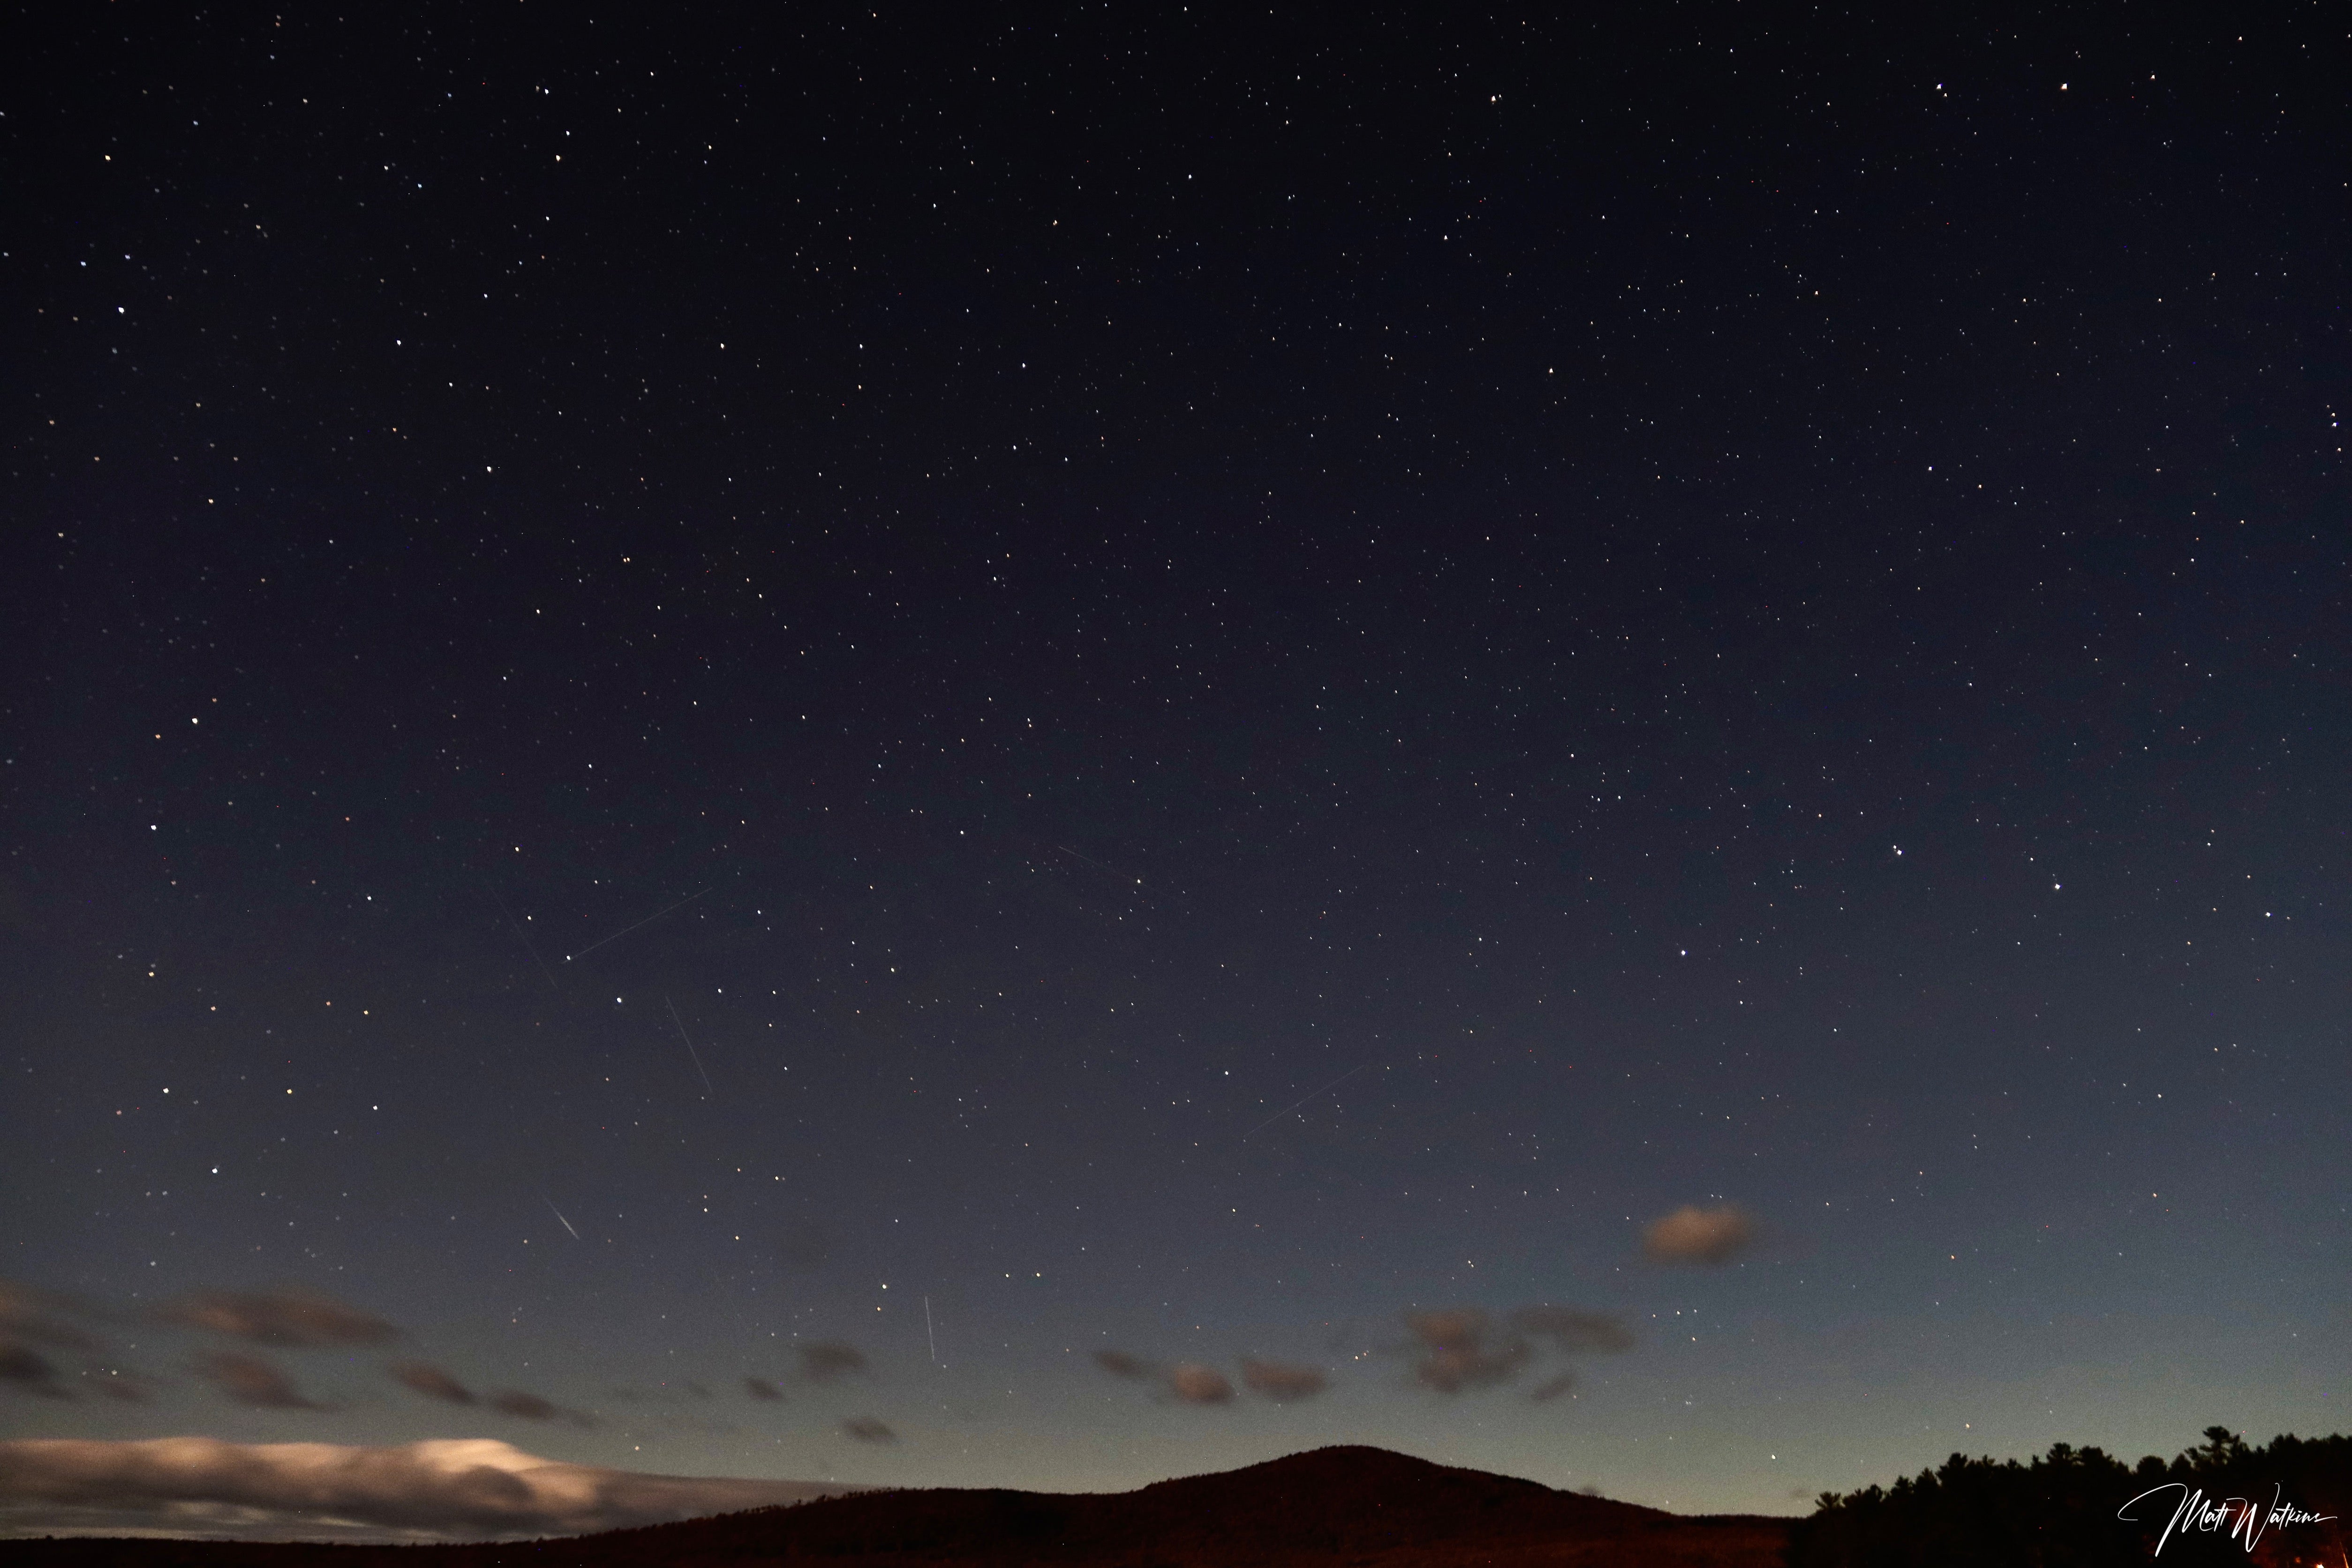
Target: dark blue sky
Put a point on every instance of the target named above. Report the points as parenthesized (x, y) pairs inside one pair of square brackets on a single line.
[(1296, 677)]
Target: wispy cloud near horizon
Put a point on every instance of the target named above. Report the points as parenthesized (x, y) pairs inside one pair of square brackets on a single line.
[(40, 1317), (432, 1382), (828, 1360), (1458, 1352), (26, 1369), (251, 1381), (1197, 1384), (1282, 1382), (457, 1488), (1694, 1234), (292, 1318)]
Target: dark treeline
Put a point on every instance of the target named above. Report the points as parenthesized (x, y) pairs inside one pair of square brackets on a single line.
[(2061, 1510)]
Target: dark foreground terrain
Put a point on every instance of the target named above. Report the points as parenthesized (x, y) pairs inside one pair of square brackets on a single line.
[(1348, 1505)]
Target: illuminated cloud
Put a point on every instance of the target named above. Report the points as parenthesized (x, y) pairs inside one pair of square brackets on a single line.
[(1281, 1382), (470, 1489), (1571, 1330), (290, 1318), (1197, 1384), (1118, 1363), (249, 1380), (761, 1388), (1456, 1354), (432, 1382), (865, 1429), (828, 1360), (1694, 1234)]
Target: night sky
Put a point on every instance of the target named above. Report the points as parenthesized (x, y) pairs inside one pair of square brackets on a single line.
[(1050, 746)]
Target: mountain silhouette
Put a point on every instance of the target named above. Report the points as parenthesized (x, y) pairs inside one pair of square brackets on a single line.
[(1330, 1506)]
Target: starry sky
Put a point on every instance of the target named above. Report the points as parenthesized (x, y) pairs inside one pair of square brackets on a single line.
[(1046, 746)]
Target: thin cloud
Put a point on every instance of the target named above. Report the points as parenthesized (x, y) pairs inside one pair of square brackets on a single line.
[(1452, 1325), (432, 1382), (1552, 1388), (452, 1489), (1118, 1363), (1450, 1369), (1197, 1384), (1571, 1331), (761, 1389), (122, 1385), (1458, 1353), (28, 1371), (865, 1429), (1694, 1234), (249, 1380), (1193, 1383), (291, 1318), (37, 1317), (826, 1361), (1283, 1383)]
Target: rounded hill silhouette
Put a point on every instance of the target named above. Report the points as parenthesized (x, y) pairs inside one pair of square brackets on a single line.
[(1351, 1504), (1362, 1507)]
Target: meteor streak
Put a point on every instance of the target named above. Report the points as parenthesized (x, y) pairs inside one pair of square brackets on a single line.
[(626, 929), (1107, 871), (1325, 1090), (689, 1045), (525, 939)]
